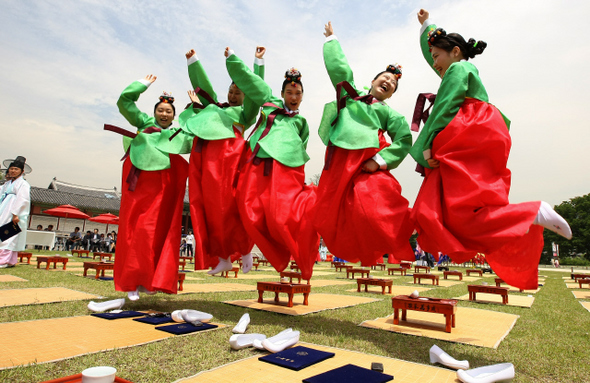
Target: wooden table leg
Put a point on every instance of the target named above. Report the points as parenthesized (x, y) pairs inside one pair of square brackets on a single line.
[(276, 297), (305, 299), (260, 292), (97, 273), (396, 316), (85, 271), (447, 322), (65, 263), (390, 289), (290, 300), (404, 314), (358, 289)]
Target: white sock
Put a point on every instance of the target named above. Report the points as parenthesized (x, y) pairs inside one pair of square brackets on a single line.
[(246, 262), (223, 265), (549, 219), (133, 295)]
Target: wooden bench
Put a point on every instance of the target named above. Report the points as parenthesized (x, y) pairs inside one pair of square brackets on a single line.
[(291, 275), (392, 270), (417, 268), (100, 268), (381, 266), (575, 277), (186, 259), (419, 277), (447, 307), (336, 263), (294, 267), (181, 278), (474, 289), (456, 273), (406, 265), (254, 264), (23, 254), (264, 262), (289, 288), (584, 281), (443, 268), (343, 267), (353, 271), (374, 282), (55, 260), (102, 256), (233, 270), (475, 271), (79, 252)]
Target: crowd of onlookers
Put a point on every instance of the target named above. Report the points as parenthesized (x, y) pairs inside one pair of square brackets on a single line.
[(93, 241)]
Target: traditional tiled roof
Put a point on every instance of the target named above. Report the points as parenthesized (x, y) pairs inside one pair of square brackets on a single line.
[(84, 202), (84, 190)]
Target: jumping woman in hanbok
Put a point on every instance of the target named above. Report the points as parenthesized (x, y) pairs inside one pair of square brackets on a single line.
[(154, 183), (360, 212), (272, 198), (218, 145), (462, 208)]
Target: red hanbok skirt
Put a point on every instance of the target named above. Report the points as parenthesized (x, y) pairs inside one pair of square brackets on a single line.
[(275, 210), (462, 208), (150, 224), (217, 225), (362, 216)]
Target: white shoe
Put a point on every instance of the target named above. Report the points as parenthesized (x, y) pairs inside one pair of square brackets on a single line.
[(142, 289), (194, 315), (437, 355), (246, 263), (258, 343), (240, 341), (133, 295), (3, 266), (177, 316), (98, 307), (242, 324), (278, 344), (549, 219), (487, 374), (223, 265)]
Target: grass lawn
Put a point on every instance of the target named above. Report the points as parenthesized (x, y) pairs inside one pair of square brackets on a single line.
[(549, 342)]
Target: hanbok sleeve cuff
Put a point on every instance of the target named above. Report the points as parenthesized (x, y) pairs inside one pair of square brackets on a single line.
[(330, 38), (427, 154), (192, 59), (230, 53), (259, 62), (145, 82), (425, 25), (379, 160)]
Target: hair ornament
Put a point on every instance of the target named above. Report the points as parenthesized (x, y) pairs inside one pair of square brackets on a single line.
[(167, 98), (435, 35), (293, 75), (395, 70)]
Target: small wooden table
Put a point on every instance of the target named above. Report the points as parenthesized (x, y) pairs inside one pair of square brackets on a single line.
[(392, 270), (374, 282), (100, 268), (474, 289), (352, 271), (447, 307), (49, 260), (420, 276), (417, 268), (575, 277), (233, 269), (23, 254), (343, 267), (291, 275), (102, 256), (336, 263), (381, 266), (584, 281), (406, 265), (457, 273), (181, 278), (289, 288), (475, 271), (264, 262), (443, 268), (294, 267), (186, 259), (79, 252)]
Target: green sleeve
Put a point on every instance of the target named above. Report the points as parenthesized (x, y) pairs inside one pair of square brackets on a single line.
[(336, 63), (401, 140), (451, 95), (253, 86), (250, 110), (426, 48), (127, 107), (199, 78), (304, 134)]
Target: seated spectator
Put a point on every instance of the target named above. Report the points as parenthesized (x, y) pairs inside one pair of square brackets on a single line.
[(49, 228), (108, 243), (95, 241), (74, 240), (86, 240), (39, 247)]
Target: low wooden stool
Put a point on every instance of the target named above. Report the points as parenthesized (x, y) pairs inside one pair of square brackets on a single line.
[(233, 269), (473, 289), (49, 260), (289, 288), (584, 281), (181, 278), (23, 254), (100, 268), (417, 268), (291, 275), (352, 271), (381, 266), (78, 252), (419, 277), (475, 271), (343, 267), (374, 282), (392, 270), (447, 307), (457, 273)]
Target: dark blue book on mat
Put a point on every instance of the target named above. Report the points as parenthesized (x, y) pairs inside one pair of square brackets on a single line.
[(122, 314), (297, 358), (349, 374), (154, 320), (185, 328)]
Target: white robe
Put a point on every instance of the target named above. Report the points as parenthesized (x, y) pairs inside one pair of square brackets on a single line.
[(15, 198)]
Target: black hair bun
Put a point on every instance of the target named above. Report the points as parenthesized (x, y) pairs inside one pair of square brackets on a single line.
[(475, 47)]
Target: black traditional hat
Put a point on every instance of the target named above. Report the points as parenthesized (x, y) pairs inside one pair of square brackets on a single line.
[(18, 162)]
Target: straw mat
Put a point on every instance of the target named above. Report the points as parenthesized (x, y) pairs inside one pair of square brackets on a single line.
[(20, 297), (517, 290), (473, 326), (11, 278), (395, 290), (214, 287), (576, 286), (441, 282), (586, 305), (317, 302), (329, 282), (48, 340), (513, 300), (252, 370), (582, 294), (247, 276)]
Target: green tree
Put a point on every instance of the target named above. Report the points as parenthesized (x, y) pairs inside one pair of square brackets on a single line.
[(576, 212)]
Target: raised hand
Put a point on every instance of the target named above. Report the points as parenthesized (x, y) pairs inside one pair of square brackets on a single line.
[(193, 96), (150, 77), (329, 31), (260, 51), (423, 15), (189, 54), (226, 53)]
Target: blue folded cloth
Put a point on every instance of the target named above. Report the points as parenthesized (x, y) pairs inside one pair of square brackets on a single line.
[(154, 320), (122, 314), (297, 358), (349, 374), (185, 328)]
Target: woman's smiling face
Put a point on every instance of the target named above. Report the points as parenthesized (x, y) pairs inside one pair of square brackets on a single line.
[(292, 96), (383, 86)]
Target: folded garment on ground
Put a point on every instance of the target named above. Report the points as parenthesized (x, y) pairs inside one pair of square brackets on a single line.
[(122, 314), (185, 328), (349, 373), (297, 358)]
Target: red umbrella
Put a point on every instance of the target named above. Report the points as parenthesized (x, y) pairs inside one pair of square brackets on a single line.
[(108, 218), (66, 211)]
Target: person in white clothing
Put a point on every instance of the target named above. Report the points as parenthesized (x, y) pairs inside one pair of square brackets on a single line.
[(190, 240)]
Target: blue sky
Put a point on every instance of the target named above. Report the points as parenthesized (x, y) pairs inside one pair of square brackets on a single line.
[(66, 62)]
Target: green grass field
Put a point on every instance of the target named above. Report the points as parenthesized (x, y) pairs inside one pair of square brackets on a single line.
[(549, 343)]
